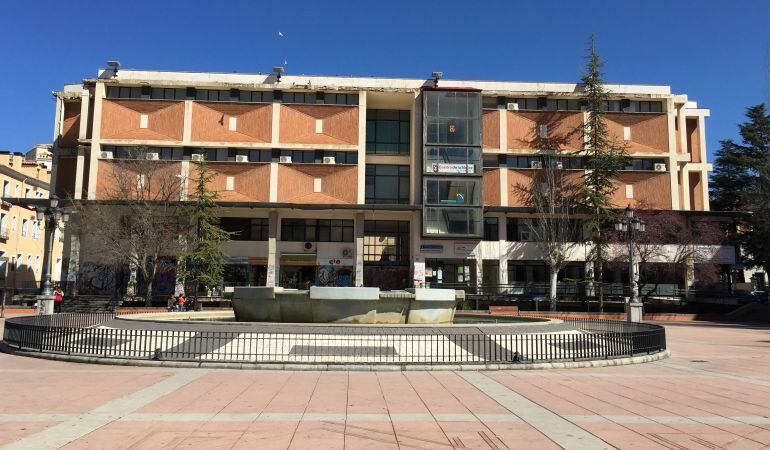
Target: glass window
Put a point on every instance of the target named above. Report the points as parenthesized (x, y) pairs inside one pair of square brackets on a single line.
[(491, 229), (453, 192), (387, 131), (386, 242), (317, 230), (453, 117), (452, 221), (245, 229), (386, 184)]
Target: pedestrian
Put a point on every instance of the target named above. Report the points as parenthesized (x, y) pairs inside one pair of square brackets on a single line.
[(180, 303), (58, 296), (171, 302)]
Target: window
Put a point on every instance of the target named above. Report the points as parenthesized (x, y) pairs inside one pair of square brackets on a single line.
[(646, 107), (453, 192), (611, 105), (387, 184), (29, 263), (12, 266), (27, 193), (37, 263), (317, 156), (255, 96), (24, 227), (19, 261), (317, 230), (554, 104), (518, 229), (452, 221), (16, 191), (313, 98), (387, 131), (491, 229), (13, 223), (643, 163), (3, 226), (245, 229), (525, 162), (386, 242), (6, 188), (453, 117)]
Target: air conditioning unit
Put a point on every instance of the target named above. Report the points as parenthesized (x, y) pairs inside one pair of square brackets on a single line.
[(241, 158), (536, 165), (285, 159), (151, 156), (512, 106), (347, 252), (308, 247), (660, 167), (559, 165), (106, 155), (329, 160)]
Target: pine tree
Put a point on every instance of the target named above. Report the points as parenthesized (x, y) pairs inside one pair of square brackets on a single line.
[(741, 182), (204, 263), (604, 158)]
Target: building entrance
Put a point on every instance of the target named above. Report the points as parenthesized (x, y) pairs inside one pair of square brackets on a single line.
[(452, 274)]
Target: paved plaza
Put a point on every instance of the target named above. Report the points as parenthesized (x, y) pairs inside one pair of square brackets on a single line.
[(714, 392)]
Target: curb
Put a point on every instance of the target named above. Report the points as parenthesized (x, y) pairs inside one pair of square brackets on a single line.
[(339, 367)]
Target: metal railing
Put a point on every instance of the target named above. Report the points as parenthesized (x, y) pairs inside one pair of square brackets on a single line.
[(83, 335)]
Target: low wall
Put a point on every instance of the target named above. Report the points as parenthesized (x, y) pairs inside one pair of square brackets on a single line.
[(343, 305)]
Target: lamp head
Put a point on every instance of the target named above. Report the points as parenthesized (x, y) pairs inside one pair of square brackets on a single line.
[(114, 65), (436, 76), (629, 211), (278, 70)]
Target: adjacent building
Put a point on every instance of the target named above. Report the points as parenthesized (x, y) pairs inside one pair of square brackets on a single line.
[(372, 181), (22, 235)]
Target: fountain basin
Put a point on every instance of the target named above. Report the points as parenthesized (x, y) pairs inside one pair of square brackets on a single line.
[(344, 305)]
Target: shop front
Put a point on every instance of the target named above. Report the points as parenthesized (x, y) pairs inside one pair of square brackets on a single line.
[(302, 270), (245, 271), (450, 273)]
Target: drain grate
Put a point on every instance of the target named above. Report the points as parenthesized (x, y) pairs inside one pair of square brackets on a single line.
[(341, 350)]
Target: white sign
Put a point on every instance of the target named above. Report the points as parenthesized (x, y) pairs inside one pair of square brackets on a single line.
[(451, 168), (419, 271), (467, 249)]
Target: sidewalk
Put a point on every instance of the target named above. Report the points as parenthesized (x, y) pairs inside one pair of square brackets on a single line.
[(713, 392)]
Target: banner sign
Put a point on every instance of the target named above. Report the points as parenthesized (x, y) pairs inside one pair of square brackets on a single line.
[(451, 168)]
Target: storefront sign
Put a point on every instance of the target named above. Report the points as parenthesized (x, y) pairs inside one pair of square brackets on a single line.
[(451, 168), (465, 249), (431, 248), (335, 262)]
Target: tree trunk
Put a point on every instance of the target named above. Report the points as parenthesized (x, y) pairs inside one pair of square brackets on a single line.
[(148, 293), (552, 292)]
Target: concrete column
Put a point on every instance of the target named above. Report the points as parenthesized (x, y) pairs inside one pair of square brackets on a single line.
[(361, 180), (276, 125), (704, 176), (187, 128), (415, 152), (272, 253), (93, 161), (73, 267), (503, 256), (359, 236), (479, 256), (672, 155), (273, 194), (184, 178), (684, 176), (79, 172), (415, 239)]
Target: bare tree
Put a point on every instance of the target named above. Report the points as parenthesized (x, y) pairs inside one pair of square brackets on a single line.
[(665, 249), (136, 220), (553, 195)]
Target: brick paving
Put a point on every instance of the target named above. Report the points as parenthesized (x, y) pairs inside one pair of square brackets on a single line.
[(714, 392)]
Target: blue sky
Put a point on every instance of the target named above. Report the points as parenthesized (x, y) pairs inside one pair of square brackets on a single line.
[(715, 51)]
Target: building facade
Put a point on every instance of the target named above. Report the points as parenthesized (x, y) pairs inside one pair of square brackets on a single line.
[(22, 235), (371, 181)]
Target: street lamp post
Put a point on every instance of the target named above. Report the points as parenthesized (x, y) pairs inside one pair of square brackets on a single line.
[(52, 215), (629, 225)]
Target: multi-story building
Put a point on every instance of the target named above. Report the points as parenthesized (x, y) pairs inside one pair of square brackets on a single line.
[(372, 181), (22, 235)]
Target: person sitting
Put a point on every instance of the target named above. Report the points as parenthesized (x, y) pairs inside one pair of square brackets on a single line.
[(171, 304), (180, 303)]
